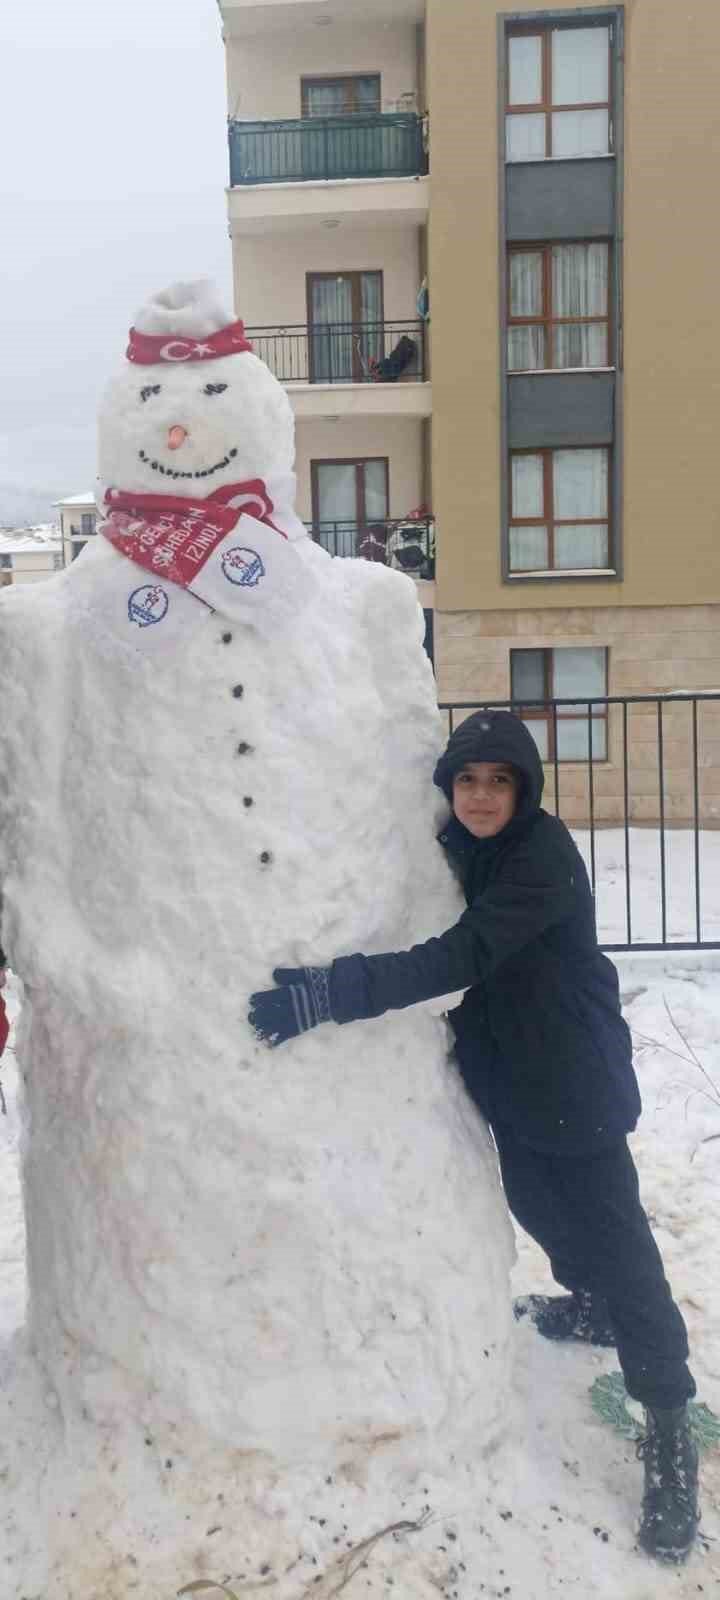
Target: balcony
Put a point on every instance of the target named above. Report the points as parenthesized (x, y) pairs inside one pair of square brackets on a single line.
[(370, 167), (407, 545), (322, 149), (244, 19), (364, 369)]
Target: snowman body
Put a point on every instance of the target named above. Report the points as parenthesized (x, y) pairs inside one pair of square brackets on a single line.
[(303, 1250)]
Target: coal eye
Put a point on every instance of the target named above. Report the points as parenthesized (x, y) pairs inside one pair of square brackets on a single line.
[(214, 388), (151, 388)]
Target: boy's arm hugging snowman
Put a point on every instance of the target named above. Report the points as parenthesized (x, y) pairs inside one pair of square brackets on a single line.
[(520, 882)]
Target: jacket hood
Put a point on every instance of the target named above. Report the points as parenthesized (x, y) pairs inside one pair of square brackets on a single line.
[(495, 736)]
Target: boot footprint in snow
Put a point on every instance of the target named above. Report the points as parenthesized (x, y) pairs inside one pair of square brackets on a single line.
[(581, 1317), (670, 1513)]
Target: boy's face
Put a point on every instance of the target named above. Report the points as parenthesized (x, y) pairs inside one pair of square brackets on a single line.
[(485, 797)]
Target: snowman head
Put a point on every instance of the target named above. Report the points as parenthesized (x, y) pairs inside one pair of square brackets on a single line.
[(193, 410)]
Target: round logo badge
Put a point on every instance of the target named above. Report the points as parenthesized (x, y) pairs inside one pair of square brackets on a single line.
[(148, 604), (242, 566)]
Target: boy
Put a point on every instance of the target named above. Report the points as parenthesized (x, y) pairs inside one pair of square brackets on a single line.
[(545, 1052)]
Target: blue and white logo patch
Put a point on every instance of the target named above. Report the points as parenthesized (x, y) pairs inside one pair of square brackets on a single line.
[(148, 604), (243, 566)]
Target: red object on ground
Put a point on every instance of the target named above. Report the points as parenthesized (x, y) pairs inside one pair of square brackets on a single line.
[(4, 1026)]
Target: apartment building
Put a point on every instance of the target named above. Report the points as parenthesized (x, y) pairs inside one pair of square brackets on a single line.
[(27, 555), (78, 523), (328, 210), (524, 198)]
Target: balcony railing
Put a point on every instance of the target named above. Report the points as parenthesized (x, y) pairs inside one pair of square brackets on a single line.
[(407, 545), (310, 149), (344, 352)]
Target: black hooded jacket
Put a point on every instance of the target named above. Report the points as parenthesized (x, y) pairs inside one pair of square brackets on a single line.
[(540, 1037)]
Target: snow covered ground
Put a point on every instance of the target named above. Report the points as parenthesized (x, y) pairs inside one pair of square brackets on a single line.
[(567, 1527)]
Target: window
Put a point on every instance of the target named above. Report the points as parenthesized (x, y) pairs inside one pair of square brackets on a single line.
[(559, 91), (350, 506), (77, 546), (341, 97), (345, 315), (557, 306), (558, 675), (87, 523), (559, 511)]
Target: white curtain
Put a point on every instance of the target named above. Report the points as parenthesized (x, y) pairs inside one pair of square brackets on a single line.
[(525, 70), (326, 99), (525, 136), (580, 483), (332, 346), (337, 497), (580, 289), (581, 672), (580, 489), (526, 345), (580, 133), (581, 546), (580, 64), (528, 546), (371, 308), (376, 508), (527, 486), (528, 549)]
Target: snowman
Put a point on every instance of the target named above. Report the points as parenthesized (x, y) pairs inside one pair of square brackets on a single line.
[(217, 749)]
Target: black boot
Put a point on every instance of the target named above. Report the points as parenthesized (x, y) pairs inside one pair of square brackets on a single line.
[(580, 1316), (670, 1513)]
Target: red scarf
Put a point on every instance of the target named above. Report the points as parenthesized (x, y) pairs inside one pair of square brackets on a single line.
[(171, 536)]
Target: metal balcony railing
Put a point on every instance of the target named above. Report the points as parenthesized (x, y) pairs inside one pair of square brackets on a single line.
[(650, 761), (344, 352), (308, 149), (407, 545)]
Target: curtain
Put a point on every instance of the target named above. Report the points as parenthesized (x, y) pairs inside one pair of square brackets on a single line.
[(580, 489), (580, 289), (525, 70), (526, 345), (580, 483), (580, 133), (528, 546), (580, 671), (527, 486), (331, 336), (525, 136), (528, 549), (376, 508), (372, 342), (581, 546), (580, 65), (326, 99)]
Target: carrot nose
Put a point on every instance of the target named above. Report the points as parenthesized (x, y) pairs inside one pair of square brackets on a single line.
[(176, 437)]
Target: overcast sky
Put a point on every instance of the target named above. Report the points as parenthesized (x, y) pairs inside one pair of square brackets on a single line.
[(114, 164)]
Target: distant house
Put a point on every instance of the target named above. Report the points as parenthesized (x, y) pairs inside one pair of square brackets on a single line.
[(28, 555), (78, 523)]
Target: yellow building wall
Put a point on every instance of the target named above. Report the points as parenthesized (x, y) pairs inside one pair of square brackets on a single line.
[(671, 499)]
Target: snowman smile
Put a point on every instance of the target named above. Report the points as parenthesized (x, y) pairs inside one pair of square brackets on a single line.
[(173, 472)]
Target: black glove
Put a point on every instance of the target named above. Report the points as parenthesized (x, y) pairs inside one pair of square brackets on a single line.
[(300, 1002)]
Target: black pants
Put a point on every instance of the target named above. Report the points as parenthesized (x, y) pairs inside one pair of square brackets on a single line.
[(586, 1215)]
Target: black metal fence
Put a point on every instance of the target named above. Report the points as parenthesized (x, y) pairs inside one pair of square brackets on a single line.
[(407, 546), (360, 145), (643, 801), (344, 352)]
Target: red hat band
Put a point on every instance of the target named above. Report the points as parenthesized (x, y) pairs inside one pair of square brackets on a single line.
[(148, 349)]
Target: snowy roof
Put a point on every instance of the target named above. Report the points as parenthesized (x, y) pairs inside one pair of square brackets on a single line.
[(42, 539), (76, 500)]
